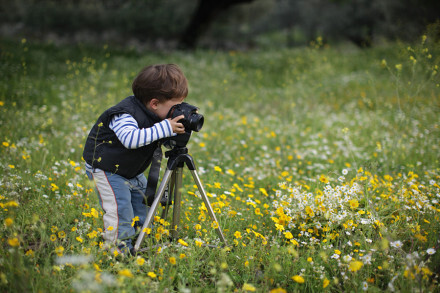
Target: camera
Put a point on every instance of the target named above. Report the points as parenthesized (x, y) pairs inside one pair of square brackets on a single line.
[(192, 121)]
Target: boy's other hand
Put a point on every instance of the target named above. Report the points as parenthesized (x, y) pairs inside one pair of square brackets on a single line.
[(176, 126)]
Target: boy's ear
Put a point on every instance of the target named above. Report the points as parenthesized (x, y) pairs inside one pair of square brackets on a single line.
[(153, 103)]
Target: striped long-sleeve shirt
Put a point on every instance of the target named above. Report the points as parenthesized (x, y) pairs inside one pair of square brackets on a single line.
[(131, 136)]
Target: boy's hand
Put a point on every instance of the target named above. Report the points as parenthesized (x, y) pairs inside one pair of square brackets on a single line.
[(176, 126)]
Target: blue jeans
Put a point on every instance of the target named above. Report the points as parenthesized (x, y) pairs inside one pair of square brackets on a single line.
[(122, 202)]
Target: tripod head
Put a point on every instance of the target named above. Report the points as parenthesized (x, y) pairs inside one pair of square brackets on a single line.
[(177, 157)]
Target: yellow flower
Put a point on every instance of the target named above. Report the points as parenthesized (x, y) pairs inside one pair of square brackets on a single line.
[(323, 179), (325, 283), (152, 275), (278, 290), (13, 242), (298, 279), (355, 266), (288, 235), (140, 261), (354, 203), (230, 172), (61, 234), (172, 260), (310, 212), (309, 259), (126, 273), (59, 250), (8, 222), (53, 237), (399, 67), (199, 243), (337, 251), (5, 144), (110, 228), (79, 239), (218, 169), (237, 234), (248, 287), (94, 213), (182, 242)]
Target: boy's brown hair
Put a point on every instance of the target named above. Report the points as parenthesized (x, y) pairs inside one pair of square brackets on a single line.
[(162, 82)]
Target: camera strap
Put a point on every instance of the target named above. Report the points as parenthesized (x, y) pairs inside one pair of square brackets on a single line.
[(153, 175)]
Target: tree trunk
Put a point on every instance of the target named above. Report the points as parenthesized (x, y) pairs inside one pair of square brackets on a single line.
[(206, 12)]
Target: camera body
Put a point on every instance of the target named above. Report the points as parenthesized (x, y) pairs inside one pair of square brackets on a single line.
[(192, 121)]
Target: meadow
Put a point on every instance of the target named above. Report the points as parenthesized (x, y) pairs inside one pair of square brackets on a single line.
[(321, 164)]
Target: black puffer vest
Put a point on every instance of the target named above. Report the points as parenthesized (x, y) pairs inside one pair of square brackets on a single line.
[(103, 149)]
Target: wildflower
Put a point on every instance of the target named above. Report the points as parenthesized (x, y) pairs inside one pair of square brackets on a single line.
[(61, 235), (355, 266), (278, 290), (248, 287), (59, 250), (199, 243), (79, 239), (230, 172), (430, 251), (172, 260), (399, 67), (298, 279), (325, 283), (344, 172), (140, 261), (237, 234), (354, 203), (182, 242), (364, 286), (347, 258), (53, 237), (310, 211), (323, 179), (94, 213), (396, 244), (8, 222), (151, 275), (126, 273), (182, 255), (288, 235), (218, 169), (13, 242)]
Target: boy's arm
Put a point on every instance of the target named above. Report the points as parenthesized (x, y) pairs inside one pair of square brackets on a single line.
[(132, 137)]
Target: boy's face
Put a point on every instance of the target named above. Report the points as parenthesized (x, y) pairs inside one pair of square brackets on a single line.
[(161, 109)]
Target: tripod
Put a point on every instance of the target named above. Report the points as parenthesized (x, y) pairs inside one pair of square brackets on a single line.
[(172, 177)]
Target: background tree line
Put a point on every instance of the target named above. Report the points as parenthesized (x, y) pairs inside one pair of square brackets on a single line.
[(223, 23)]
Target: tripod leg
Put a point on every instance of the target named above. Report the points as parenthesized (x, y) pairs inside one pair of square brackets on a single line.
[(207, 204), (153, 208), (170, 193), (177, 202)]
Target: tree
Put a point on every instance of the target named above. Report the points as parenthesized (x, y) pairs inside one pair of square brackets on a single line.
[(206, 12)]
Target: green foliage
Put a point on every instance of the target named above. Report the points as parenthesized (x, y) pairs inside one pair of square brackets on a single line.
[(321, 164)]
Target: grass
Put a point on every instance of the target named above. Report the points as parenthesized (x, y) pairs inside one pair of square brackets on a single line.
[(321, 163)]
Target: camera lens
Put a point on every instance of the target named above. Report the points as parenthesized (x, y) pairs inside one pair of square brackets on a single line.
[(196, 121)]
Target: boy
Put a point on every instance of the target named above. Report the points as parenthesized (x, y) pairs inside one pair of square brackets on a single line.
[(121, 144)]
